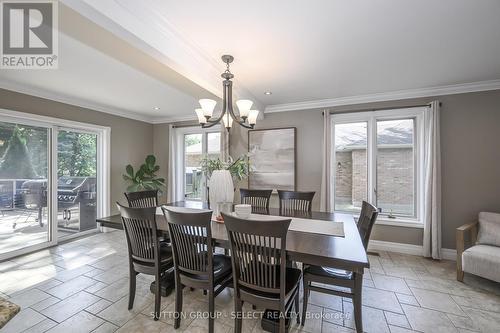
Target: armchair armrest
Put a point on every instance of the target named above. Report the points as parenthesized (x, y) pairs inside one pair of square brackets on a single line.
[(467, 226), (462, 245)]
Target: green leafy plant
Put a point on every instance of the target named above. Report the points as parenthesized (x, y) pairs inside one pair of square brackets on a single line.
[(237, 168), (145, 178)]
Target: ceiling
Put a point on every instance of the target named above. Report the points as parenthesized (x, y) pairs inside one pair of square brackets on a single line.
[(303, 51), (321, 49), (87, 75), (99, 71)]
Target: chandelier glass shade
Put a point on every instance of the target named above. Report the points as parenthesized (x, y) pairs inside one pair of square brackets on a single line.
[(246, 116)]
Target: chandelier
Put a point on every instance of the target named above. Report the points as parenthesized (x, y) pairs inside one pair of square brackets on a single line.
[(246, 118)]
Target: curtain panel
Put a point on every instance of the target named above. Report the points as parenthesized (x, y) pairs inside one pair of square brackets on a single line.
[(172, 185), (432, 186), (326, 177)]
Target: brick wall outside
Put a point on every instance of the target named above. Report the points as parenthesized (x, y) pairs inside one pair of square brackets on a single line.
[(343, 177), (360, 177), (394, 179)]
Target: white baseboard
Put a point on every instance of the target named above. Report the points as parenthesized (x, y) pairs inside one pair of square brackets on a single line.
[(449, 254), (416, 250)]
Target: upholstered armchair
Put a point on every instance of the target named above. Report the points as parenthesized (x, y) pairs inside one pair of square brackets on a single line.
[(478, 247)]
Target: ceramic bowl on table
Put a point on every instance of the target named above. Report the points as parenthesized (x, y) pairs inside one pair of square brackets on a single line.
[(243, 211)]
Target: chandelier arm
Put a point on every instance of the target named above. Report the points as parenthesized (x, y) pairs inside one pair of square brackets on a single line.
[(215, 121), (239, 120), (209, 125), (245, 125), (218, 119), (230, 102)]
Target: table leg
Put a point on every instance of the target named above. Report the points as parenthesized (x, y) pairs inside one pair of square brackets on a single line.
[(356, 301)]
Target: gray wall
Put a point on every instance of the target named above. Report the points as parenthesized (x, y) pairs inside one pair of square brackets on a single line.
[(131, 140), (470, 143), (160, 149)]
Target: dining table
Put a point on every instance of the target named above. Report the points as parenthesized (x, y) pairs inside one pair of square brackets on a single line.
[(342, 252)]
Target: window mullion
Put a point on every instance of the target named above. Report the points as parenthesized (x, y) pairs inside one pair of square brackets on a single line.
[(372, 159)]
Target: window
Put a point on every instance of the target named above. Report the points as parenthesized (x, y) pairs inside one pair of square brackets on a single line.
[(351, 162), (193, 153), (395, 186), (378, 157), (196, 143)]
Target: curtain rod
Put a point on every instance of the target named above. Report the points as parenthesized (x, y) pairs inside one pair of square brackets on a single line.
[(379, 109), (182, 126)]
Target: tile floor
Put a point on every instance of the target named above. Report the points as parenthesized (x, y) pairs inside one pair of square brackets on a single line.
[(82, 286)]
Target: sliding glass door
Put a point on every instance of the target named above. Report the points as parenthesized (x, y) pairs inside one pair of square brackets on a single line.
[(25, 186), (54, 180), (77, 175)]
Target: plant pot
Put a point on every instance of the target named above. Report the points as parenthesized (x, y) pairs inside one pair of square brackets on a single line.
[(221, 190)]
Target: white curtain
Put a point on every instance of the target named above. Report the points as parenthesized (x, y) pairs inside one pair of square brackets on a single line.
[(326, 188), (172, 186), (432, 189), (224, 143)]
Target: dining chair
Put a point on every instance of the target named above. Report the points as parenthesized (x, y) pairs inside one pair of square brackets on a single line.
[(146, 253), (142, 199), (195, 264), (338, 277), (295, 201), (258, 199), (260, 273)]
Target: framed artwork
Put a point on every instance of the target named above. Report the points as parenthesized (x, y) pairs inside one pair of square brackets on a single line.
[(272, 158)]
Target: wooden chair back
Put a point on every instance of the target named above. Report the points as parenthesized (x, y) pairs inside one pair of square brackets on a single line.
[(294, 200), (191, 237), (141, 233), (367, 218), (142, 199), (255, 198), (256, 255)]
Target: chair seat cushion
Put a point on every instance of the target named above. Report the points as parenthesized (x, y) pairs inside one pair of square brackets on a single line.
[(222, 268), (222, 265), (293, 277), (328, 272), (482, 260), (165, 252)]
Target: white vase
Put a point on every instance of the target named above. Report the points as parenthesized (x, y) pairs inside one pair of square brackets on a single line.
[(221, 190)]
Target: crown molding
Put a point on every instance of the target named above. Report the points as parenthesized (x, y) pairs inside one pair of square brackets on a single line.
[(42, 93), (168, 120), (388, 96)]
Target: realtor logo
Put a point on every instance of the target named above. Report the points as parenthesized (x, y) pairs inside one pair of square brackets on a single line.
[(29, 34)]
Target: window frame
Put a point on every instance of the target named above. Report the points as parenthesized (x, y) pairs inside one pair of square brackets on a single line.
[(180, 176), (371, 118)]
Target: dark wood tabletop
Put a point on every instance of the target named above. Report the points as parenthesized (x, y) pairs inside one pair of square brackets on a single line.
[(339, 252)]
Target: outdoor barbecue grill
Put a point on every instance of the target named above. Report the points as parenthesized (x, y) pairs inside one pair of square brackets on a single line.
[(33, 196), (73, 193), (77, 193)]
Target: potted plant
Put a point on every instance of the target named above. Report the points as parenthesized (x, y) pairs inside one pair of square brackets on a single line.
[(221, 177), (145, 178)]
